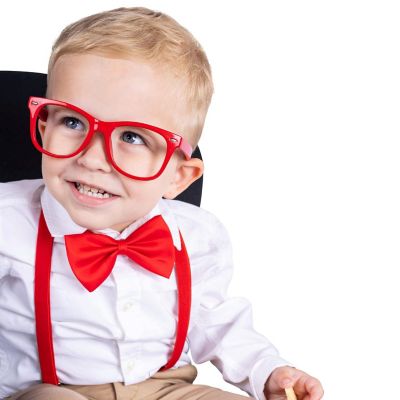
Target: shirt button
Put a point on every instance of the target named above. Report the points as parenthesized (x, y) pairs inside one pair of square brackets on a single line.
[(127, 306), (130, 365)]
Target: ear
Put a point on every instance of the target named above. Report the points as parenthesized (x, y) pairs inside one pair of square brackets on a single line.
[(187, 171), (41, 126)]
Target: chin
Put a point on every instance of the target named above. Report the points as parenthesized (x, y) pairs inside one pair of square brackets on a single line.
[(89, 223)]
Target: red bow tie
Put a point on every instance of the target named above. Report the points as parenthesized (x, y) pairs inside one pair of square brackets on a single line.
[(92, 256)]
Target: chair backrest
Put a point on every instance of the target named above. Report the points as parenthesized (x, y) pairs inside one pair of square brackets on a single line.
[(18, 158)]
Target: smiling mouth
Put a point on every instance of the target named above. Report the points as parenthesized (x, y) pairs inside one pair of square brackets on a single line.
[(92, 191)]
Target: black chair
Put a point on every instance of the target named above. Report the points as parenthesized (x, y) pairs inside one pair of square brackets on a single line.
[(18, 158)]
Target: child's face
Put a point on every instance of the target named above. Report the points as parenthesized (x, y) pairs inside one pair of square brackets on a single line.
[(114, 89)]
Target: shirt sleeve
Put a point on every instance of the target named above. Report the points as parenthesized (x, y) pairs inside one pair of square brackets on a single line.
[(222, 331), (4, 267), (4, 261)]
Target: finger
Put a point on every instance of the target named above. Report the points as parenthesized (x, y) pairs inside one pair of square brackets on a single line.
[(284, 377), (313, 388)]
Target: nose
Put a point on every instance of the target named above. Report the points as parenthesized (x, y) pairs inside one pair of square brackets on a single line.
[(94, 156)]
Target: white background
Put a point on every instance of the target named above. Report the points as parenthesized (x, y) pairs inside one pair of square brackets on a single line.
[(301, 152)]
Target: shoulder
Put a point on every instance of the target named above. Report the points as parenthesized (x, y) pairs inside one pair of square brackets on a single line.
[(188, 215), (20, 193), (198, 226), (19, 210)]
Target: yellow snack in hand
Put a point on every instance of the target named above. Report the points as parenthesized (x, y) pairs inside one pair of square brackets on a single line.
[(290, 394)]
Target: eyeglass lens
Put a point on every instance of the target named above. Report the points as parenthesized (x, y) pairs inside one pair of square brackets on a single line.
[(138, 151)]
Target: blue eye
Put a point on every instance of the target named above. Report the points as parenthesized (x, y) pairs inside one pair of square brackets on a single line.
[(72, 123), (132, 137)]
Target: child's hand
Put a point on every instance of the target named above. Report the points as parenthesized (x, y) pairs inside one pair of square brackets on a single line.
[(305, 386)]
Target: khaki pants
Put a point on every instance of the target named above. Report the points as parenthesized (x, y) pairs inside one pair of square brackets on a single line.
[(172, 384)]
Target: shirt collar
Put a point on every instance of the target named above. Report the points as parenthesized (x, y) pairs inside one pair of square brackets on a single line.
[(60, 223)]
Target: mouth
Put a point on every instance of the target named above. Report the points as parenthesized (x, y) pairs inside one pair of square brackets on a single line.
[(92, 191)]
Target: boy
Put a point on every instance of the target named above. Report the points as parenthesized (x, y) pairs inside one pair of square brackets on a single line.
[(110, 319)]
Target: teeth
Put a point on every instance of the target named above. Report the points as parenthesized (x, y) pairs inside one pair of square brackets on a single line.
[(92, 192)]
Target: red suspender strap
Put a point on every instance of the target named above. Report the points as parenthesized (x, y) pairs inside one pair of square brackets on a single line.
[(44, 248), (183, 279), (44, 335)]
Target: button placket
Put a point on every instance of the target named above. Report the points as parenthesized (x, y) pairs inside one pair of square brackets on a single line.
[(128, 306), (130, 365)]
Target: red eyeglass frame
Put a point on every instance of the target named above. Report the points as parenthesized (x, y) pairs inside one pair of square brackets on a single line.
[(173, 140)]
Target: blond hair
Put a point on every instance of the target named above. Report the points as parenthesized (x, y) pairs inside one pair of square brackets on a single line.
[(149, 35)]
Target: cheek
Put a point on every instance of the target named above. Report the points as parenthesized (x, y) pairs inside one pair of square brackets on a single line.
[(47, 167), (148, 193), (52, 167)]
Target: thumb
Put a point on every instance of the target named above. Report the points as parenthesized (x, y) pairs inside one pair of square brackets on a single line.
[(281, 378)]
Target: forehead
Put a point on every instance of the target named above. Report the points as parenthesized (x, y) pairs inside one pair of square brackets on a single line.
[(118, 89)]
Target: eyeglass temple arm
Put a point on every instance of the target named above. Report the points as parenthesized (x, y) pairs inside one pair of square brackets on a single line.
[(186, 148)]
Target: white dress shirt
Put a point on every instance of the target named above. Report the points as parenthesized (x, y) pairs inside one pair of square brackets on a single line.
[(124, 331)]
